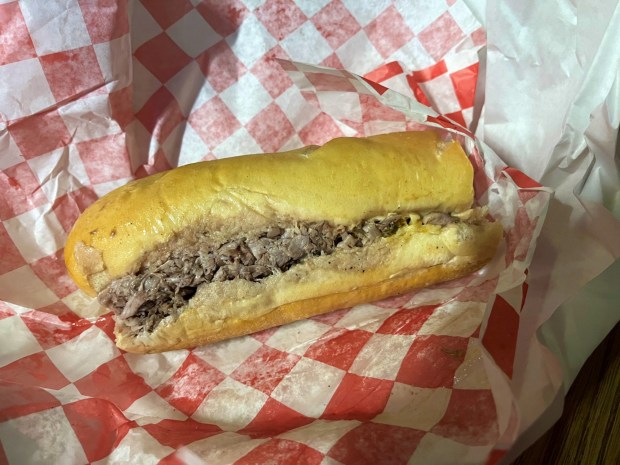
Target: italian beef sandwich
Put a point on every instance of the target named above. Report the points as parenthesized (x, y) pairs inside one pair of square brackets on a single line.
[(219, 249)]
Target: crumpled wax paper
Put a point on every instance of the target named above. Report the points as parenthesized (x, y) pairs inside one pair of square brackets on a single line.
[(118, 90), (551, 109)]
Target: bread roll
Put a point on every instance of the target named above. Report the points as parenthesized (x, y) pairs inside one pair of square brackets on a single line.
[(219, 249)]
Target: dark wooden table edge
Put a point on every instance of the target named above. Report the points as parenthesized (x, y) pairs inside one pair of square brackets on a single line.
[(588, 432)]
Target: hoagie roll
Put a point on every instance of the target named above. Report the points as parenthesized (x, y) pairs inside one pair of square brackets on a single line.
[(219, 249)]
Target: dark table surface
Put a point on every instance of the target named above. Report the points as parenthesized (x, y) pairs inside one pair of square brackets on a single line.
[(588, 433)]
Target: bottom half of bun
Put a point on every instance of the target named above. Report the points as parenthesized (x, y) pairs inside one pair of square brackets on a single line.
[(408, 260)]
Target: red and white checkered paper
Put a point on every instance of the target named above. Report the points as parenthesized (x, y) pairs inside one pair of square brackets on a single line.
[(94, 93)]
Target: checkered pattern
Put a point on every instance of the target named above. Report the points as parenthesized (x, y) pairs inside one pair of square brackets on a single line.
[(106, 101), (448, 86)]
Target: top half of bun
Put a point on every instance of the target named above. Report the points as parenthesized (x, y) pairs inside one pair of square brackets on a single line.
[(343, 181)]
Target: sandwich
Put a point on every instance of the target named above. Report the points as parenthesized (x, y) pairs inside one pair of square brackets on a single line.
[(219, 249)]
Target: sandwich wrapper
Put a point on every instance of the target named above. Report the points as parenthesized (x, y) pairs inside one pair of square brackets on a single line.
[(93, 94)]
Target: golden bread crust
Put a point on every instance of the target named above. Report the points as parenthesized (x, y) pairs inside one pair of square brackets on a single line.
[(342, 182)]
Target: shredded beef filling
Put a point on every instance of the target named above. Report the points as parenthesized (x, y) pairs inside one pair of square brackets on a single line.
[(143, 299)]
